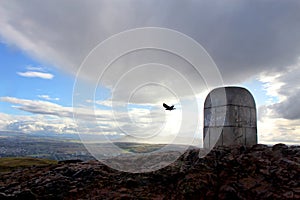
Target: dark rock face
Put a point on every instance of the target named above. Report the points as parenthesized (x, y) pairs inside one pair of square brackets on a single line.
[(257, 172), (69, 161)]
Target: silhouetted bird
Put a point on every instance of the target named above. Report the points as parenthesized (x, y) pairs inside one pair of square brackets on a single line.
[(169, 107)]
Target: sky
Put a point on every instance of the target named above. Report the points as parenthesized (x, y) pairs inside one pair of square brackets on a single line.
[(49, 51)]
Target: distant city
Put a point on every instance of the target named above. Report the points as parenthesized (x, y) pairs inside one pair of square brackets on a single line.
[(67, 147), (54, 147)]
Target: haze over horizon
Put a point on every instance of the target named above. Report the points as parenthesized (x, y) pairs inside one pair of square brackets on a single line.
[(255, 44)]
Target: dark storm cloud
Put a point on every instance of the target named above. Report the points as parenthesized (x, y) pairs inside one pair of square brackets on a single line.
[(243, 37), (288, 107)]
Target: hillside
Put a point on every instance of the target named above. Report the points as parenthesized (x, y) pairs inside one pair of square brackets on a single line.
[(9, 164), (259, 172)]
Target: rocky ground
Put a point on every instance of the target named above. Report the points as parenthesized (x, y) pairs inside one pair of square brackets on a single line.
[(258, 172)]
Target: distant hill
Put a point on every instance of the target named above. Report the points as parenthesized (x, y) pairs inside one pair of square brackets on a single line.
[(9, 164)]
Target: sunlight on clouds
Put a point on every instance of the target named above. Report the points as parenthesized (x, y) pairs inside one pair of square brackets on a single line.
[(271, 86), (142, 124), (279, 121), (173, 122), (141, 117), (36, 124), (276, 130), (96, 121)]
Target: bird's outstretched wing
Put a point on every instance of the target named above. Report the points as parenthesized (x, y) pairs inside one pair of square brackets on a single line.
[(166, 106)]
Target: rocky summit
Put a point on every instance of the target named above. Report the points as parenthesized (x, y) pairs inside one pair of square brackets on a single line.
[(237, 172)]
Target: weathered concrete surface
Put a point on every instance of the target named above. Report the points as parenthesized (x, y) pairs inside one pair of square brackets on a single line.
[(229, 118)]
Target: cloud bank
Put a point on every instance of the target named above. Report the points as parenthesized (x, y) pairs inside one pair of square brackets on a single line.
[(137, 123)]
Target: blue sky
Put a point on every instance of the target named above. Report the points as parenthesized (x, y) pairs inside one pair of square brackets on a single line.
[(13, 61), (59, 89), (254, 44)]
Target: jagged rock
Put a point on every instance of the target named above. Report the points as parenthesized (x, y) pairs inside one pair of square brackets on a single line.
[(236, 172), (69, 161), (4, 196), (279, 147), (259, 147), (25, 194)]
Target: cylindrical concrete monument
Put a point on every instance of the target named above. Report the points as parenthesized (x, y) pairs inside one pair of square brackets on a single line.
[(229, 118)]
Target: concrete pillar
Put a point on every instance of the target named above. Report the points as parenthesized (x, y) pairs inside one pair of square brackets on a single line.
[(229, 118)]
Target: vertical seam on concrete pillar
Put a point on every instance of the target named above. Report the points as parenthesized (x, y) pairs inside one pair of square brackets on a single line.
[(245, 135), (209, 138), (222, 137)]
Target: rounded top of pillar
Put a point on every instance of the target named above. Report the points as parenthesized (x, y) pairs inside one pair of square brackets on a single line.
[(229, 96)]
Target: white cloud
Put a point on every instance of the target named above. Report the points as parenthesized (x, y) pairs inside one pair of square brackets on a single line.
[(155, 125), (52, 109), (34, 74), (47, 97), (36, 124), (272, 130), (31, 68)]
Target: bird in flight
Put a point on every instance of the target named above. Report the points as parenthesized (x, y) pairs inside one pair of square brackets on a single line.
[(169, 107)]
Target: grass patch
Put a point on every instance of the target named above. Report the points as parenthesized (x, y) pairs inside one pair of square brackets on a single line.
[(10, 163)]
